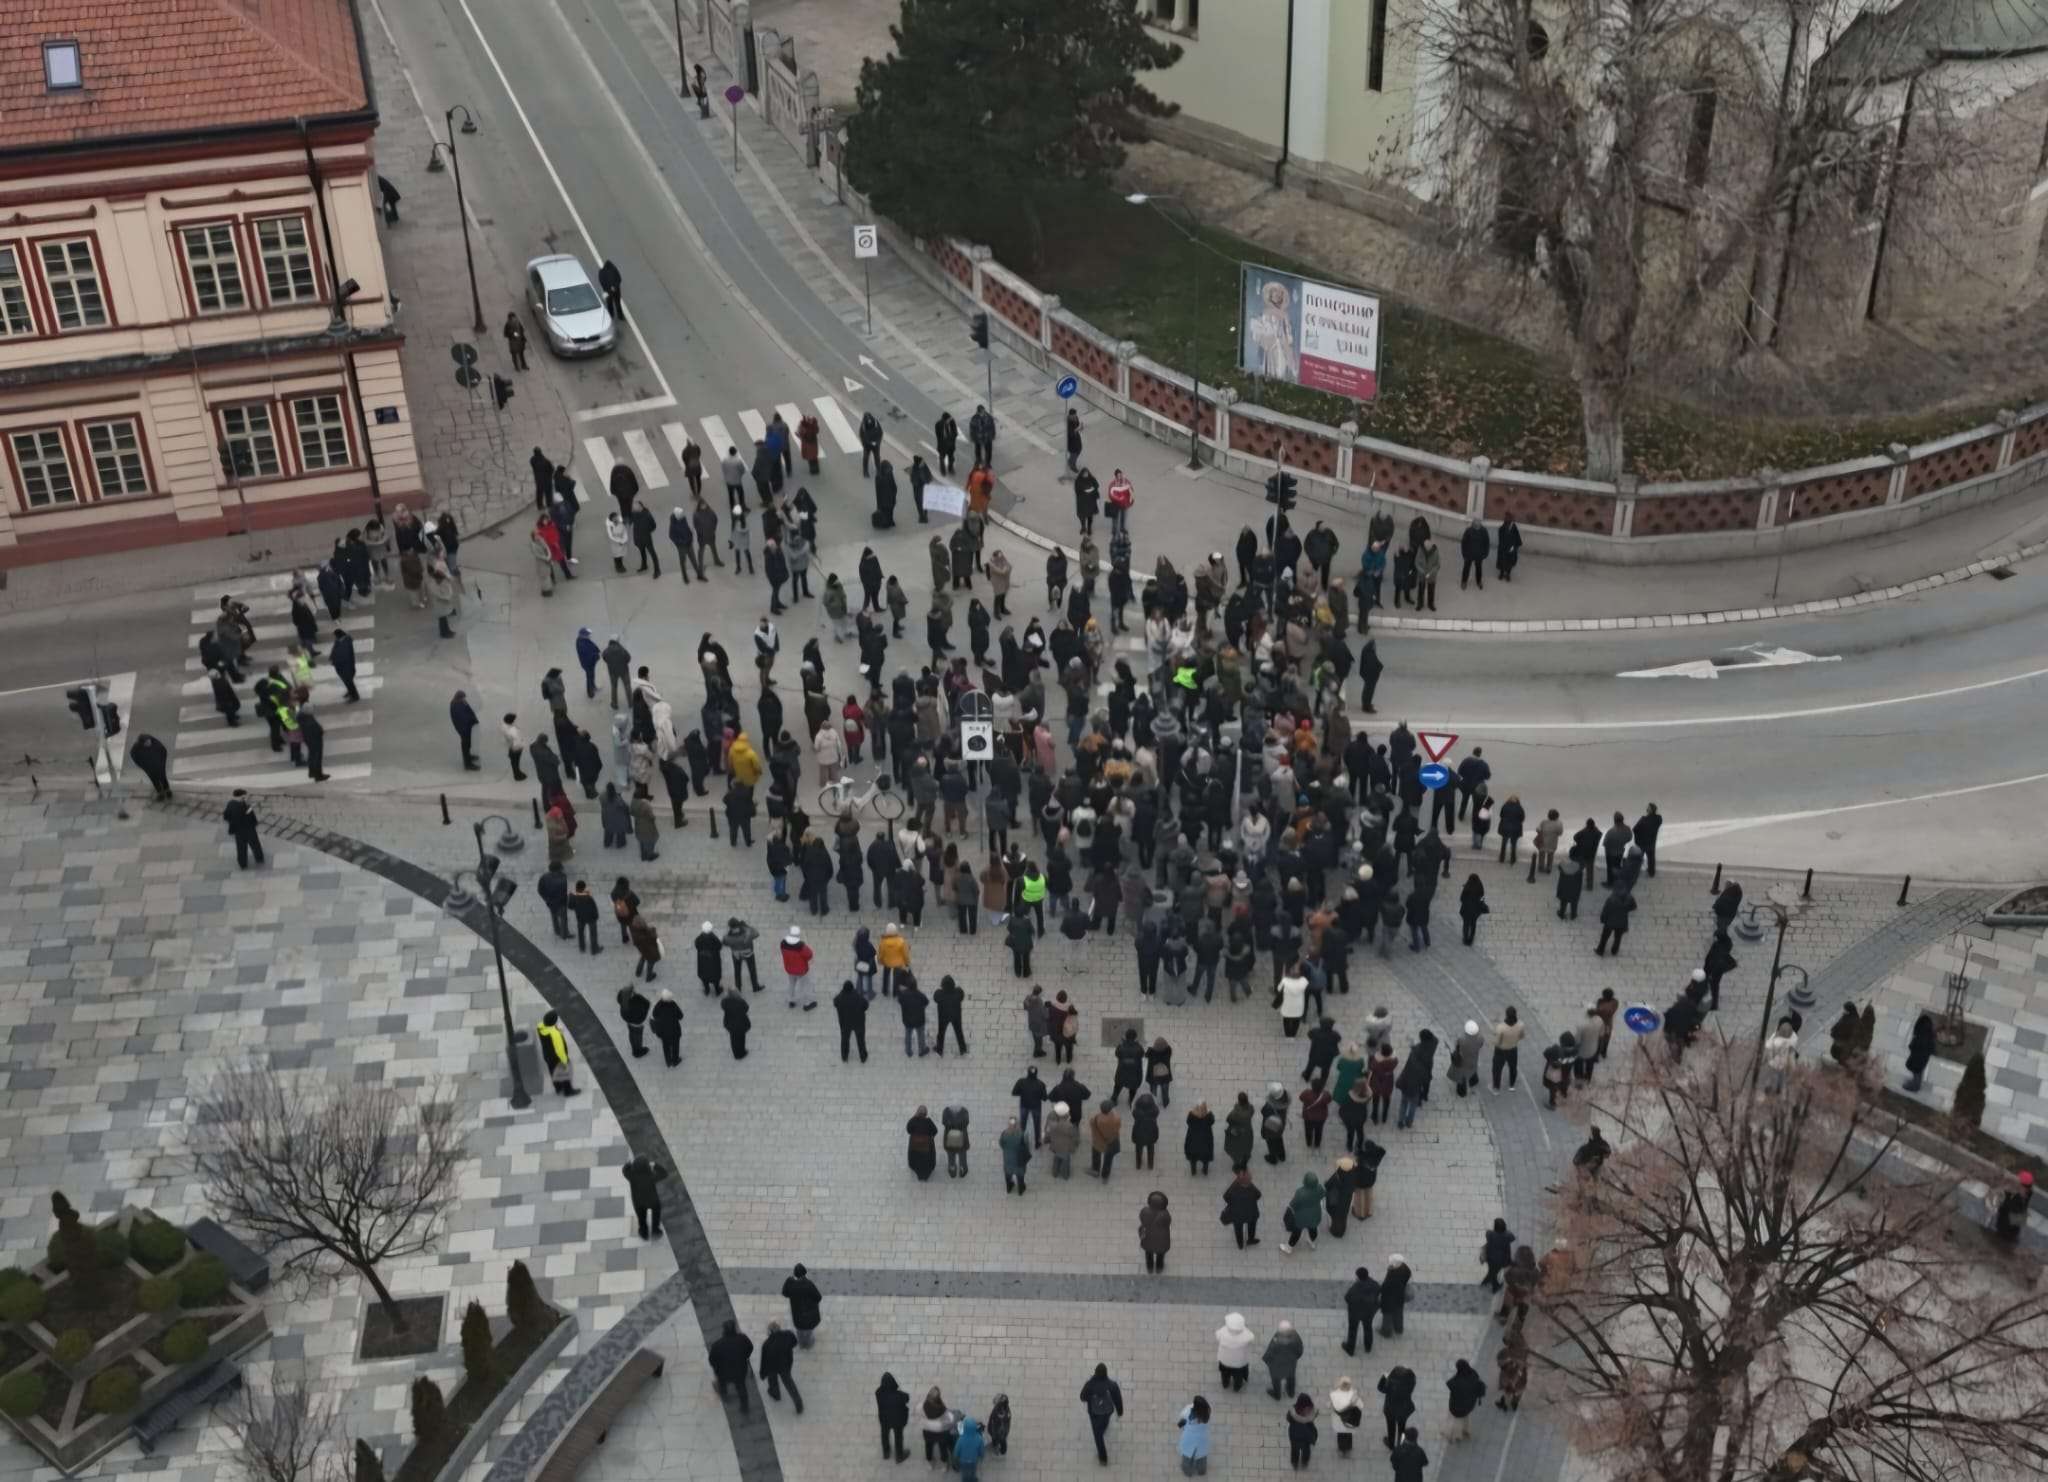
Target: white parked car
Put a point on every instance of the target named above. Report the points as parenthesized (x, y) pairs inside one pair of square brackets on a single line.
[(567, 306)]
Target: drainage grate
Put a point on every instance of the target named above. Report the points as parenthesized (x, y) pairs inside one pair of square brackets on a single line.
[(2000, 573)]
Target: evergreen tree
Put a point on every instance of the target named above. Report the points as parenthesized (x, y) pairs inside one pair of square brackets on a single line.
[(985, 109), (1866, 1031), (369, 1468), (1968, 1107), (429, 1411), (477, 1357), (522, 1299), (81, 1254)]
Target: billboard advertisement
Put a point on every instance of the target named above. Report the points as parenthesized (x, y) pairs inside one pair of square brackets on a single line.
[(1312, 334)]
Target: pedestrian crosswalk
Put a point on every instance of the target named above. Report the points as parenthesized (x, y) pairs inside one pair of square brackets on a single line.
[(637, 447), (207, 752)]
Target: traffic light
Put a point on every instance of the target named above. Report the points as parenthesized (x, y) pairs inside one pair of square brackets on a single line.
[(1280, 491), (980, 326), (80, 702), (110, 716), (501, 391)]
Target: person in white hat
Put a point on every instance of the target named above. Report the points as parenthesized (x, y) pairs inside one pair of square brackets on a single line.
[(1465, 1057), (1234, 1351), (796, 962)]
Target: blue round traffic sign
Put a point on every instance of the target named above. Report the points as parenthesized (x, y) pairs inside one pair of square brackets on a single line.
[(1067, 387), (1642, 1019), (1435, 775)]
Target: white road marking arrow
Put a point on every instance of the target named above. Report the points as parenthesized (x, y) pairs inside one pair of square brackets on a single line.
[(873, 367), (1764, 658), (852, 385)]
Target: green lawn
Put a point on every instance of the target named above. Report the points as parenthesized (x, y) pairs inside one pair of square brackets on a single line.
[(1444, 387)]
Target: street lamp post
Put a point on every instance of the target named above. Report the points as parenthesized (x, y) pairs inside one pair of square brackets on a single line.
[(476, 303), (486, 877), (1140, 198), (682, 67), (1779, 967)]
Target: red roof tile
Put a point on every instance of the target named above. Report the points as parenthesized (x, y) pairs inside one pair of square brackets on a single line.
[(159, 66)]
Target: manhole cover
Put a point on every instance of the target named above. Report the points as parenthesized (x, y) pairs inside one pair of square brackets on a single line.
[(1113, 1029)]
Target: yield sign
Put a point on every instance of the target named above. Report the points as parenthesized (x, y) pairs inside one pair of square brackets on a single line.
[(1436, 744)]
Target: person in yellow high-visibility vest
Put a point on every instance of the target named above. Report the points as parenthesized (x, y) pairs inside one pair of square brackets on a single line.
[(554, 1051), (1031, 892)]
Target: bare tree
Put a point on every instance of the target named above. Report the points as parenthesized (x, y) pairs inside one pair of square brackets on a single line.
[(283, 1434), (1649, 158), (1760, 1288), (333, 1177)]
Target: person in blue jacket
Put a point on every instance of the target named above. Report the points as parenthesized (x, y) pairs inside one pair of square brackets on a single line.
[(968, 1447)]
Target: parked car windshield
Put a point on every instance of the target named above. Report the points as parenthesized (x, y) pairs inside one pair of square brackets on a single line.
[(578, 298)]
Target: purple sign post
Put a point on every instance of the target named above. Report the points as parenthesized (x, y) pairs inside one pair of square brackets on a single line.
[(734, 95)]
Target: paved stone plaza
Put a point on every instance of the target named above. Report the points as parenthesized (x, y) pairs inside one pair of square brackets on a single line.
[(138, 959)]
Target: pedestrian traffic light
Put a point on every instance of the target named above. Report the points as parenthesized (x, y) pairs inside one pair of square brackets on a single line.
[(501, 391), (110, 716), (1280, 491), (80, 701), (980, 324)]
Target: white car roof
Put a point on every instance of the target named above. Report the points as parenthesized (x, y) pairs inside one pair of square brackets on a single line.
[(559, 271)]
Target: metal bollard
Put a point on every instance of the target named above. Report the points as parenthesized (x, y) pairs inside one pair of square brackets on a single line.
[(1908, 885), (712, 814), (1715, 888), (445, 819), (536, 814), (1806, 890)]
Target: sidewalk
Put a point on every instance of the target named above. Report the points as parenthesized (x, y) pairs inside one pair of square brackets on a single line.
[(923, 339)]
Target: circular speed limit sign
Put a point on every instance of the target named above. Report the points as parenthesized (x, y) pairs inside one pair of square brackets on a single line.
[(866, 243)]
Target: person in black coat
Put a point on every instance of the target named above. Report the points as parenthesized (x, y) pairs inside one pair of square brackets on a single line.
[(892, 1409), (778, 1365), (643, 1178), (1728, 904), (924, 1144), (1398, 1385), (1498, 1252), (885, 496), (150, 755), (667, 1023), (1199, 1145), (1507, 548), (1614, 922), (462, 715), (1919, 1050), (738, 1019), (851, 1005), (633, 1008), (729, 1353), (1361, 1304), (1645, 835), (1720, 962), (341, 655)]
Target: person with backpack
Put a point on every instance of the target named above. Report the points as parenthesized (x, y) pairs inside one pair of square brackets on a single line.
[(1346, 1414), (1104, 1401)]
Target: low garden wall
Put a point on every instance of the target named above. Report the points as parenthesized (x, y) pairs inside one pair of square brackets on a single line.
[(1624, 522)]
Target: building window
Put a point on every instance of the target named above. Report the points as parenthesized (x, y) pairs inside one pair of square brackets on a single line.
[(73, 279), (323, 436), (60, 66), (1165, 11), (216, 270), (1376, 54), (16, 318), (45, 468), (1699, 139), (287, 256), (117, 465), (250, 440)]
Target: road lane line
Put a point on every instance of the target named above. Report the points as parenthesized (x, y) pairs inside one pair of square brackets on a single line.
[(1709, 828), (668, 394), (627, 408)]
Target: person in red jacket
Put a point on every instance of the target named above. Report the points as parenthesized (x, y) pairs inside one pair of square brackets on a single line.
[(796, 961), (1120, 498)]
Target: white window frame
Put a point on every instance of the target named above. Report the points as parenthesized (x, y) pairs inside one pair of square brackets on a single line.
[(130, 469), (320, 429), (213, 266), (66, 277), (260, 439), (17, 301), (279, 258), (33, 462)]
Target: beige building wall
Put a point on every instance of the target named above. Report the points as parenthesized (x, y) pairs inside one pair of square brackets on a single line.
[(1230, 81)]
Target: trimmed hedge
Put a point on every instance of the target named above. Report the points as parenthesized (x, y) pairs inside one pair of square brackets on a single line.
[(22, 1301), (186, 1342), (157, 1294), (158, 1244), (73, 1344), (21, 1394), (202, 1282), (112, 1391)]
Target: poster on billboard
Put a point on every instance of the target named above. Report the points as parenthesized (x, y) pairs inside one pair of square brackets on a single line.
[(1312, 334)]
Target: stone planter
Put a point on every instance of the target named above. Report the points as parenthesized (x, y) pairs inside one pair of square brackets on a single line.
[(79, 1438), (2022, 909)]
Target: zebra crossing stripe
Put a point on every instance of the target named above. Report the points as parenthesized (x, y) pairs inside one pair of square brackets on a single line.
[(755, 424), (836, 423), (651, 474), (346, 718), (599, 452), (271, 780), (678, 437), (720, 437), (791, 413)]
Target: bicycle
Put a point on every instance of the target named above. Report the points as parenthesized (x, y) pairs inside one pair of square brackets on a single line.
[(836, 798)]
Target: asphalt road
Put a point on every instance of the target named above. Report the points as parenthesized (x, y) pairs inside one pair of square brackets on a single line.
[(1913, 747)]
